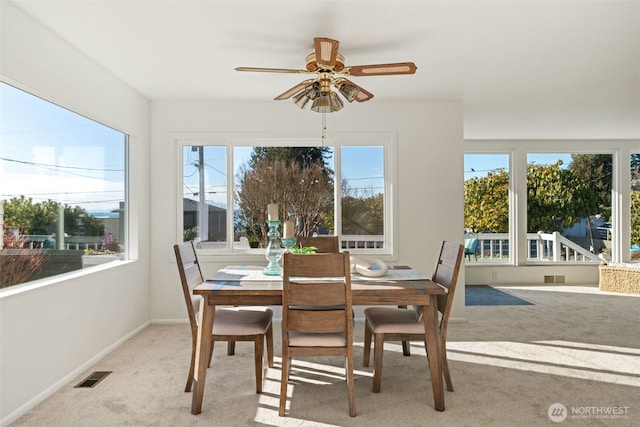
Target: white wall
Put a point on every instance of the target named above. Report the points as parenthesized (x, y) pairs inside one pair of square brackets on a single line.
[(429, 186), (50, 334), (504, 275)]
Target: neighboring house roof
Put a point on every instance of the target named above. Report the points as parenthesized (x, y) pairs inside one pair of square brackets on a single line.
[(192, 205)]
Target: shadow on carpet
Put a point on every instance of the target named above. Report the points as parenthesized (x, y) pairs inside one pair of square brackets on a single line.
[(487, 295)]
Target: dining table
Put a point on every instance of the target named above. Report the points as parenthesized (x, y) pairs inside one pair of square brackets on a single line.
[(245, 285)]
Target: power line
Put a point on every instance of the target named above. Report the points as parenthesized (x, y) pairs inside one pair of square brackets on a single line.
[(358, 179), (480, 170), (62, 192), (46, 165)]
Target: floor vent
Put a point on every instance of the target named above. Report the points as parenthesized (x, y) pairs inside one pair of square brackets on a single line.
[(93, 379), (553, 279)]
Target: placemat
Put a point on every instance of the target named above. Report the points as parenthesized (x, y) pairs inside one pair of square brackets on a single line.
[(254, 273)]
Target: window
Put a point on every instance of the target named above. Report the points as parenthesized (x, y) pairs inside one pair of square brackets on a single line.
[(63, 190), (362, 197), (566, 201), (634, 162), (340, 188), (569, 206), (486, 207)]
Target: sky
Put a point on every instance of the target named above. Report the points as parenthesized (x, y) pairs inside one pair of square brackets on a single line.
[(362, 167), (48, 152), (479, 165)]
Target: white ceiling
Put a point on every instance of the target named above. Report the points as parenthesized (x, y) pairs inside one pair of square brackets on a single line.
[(523, 69)]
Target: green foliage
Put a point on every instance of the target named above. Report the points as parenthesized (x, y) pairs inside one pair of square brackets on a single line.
[(363, 215), (189, 234), (596, 171), (276, 175), (635, 217), (556, 199), (303, 249), (635, 199), (635, 172), (301, 156), (26, 217), (486, 202)]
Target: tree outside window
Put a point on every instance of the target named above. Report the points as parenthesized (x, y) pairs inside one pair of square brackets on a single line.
[(302, 180)]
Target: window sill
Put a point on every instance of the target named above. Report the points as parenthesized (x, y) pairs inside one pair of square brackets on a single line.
[(48, 281)]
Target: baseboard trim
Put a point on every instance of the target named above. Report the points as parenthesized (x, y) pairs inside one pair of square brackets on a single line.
[(49, 391)]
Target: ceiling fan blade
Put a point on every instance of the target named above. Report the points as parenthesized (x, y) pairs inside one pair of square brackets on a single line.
[(363, 95), (271, 70), (351, 91), (326, 51), (297, 88), (381, 69)]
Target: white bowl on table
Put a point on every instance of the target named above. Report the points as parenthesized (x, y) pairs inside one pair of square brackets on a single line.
[(369, 267)]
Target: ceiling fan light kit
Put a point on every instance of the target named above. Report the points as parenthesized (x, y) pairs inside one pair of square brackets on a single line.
[(327, 103), (325, 61)]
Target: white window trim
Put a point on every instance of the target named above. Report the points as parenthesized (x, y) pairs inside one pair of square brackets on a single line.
[(388, 140), (621, 151)]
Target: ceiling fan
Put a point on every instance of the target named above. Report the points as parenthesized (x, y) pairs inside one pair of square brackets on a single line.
[(325, 62)]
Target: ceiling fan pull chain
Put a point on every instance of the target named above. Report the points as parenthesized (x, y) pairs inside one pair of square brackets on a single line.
[(324, 127)]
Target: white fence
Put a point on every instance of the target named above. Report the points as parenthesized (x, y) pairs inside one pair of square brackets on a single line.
[(495, 247), (361, 242), (37, 241)]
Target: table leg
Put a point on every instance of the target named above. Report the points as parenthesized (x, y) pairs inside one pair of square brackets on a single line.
[(430, 320), (203, 346)]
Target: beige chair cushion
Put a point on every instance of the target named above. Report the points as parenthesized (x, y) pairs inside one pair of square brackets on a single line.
[(389, 320), (242, 320), (300, 339)]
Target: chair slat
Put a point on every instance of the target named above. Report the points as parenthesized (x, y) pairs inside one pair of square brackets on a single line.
[(323, 244), (312, 266), (317, 321), (318, 294)]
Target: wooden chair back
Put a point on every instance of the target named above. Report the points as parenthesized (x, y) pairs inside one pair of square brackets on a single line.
[(317, 294), (317, 318), (446, 275), (231, 324), (399, 324), (190, 276), (323, 244)]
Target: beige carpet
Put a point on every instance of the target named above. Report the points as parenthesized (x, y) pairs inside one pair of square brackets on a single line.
[(575, 346)]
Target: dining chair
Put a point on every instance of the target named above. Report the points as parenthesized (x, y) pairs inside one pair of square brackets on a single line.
[(230, 324), (323, 244), (405, 324), (317, 317)]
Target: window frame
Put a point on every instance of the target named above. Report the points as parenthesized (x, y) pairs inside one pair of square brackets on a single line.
[(123, 237), (510, 200), (387, 140), (620, 150)]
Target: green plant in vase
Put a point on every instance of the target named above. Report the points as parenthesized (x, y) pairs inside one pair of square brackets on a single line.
[(303, 249)]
